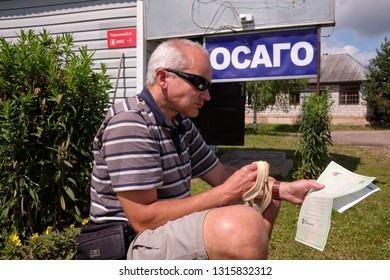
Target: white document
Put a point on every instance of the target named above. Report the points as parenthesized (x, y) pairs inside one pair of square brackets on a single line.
[(314, 222), (343, 189), (342, 203)]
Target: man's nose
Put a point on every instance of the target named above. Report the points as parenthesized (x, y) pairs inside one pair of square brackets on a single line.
[(206, 95)]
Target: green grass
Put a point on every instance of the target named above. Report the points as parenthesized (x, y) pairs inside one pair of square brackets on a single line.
[(361, 232)]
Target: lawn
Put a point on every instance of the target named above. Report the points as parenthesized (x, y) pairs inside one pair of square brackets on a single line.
[(362, 232)]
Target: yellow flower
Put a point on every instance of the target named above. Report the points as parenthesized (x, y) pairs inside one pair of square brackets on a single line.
[(71, 226), (85, 221), (14, 238), (35, 235), (48, 230)]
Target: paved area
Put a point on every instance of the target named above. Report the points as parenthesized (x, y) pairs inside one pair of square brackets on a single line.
[(362, 137), (280, 166)]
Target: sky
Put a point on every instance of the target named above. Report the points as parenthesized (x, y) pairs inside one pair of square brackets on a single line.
[(361, 27)]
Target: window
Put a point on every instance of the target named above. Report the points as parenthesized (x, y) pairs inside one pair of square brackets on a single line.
[(349, 94)]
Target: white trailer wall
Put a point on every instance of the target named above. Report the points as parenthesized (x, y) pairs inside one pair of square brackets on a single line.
[(88, 21)]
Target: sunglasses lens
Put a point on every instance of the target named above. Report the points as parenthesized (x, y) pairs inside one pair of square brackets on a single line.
[(200, 83)]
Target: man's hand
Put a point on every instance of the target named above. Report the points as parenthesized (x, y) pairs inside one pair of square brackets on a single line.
[(296, 191), (236, 182)]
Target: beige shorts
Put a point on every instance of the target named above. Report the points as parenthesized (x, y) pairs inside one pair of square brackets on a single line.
[(181, 239)]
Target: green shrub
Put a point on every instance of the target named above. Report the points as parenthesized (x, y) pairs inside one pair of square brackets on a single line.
[(51, 105), (315, 136)]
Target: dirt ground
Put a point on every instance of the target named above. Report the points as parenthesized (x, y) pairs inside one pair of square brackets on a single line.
[(378, 141)]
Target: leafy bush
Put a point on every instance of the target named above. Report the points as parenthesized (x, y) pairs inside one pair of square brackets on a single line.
[(315, 136), (51, 105)]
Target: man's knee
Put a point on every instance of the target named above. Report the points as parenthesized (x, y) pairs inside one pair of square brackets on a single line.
[(236, 232)]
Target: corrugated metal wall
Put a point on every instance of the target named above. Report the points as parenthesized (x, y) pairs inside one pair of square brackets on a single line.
[(88, 21)]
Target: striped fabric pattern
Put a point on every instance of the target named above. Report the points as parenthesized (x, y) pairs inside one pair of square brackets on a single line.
[(134, 150)]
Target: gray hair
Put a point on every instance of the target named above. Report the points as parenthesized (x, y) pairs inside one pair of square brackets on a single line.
[(171, 54)]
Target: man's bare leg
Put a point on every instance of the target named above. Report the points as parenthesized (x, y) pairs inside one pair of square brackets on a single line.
[(237, 232)]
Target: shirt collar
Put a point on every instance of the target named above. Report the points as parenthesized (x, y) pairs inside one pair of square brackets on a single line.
[(159, 116)]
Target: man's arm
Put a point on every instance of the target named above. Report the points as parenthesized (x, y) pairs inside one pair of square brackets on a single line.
[(218, 175), (145, 212)]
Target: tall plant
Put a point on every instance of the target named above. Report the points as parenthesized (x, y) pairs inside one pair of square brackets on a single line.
[(315, 136), (51, 104)]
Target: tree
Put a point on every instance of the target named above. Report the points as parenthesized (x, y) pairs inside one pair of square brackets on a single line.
[(262, 94), (377, 86)]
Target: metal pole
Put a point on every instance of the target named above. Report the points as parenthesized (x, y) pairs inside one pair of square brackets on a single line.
[(318, 59), (117, 77)]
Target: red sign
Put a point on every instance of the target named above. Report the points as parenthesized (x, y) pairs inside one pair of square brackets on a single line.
[(121, 38)]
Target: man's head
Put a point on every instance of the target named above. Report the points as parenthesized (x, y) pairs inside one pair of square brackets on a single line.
[(173, 54), (179, 76)]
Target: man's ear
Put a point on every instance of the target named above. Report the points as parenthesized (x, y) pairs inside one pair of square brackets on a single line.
[(161, 78)]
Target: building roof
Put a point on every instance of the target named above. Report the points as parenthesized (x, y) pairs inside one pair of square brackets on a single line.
[(336, 68)]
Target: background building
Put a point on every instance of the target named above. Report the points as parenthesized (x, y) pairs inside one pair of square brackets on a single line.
[(343, 76), (123, 34)]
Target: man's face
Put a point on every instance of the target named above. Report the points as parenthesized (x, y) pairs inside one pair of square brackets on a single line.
[(182, 95)]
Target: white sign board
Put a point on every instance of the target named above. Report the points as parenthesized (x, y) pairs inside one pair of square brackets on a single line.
[(178, 18)]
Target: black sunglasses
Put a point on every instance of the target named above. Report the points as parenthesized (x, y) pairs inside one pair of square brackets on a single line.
[(199, 82)]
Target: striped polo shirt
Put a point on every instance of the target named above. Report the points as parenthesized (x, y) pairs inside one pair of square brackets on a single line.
[(137, 148)]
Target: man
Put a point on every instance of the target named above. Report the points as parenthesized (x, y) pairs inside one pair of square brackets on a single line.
[(146, 152)]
